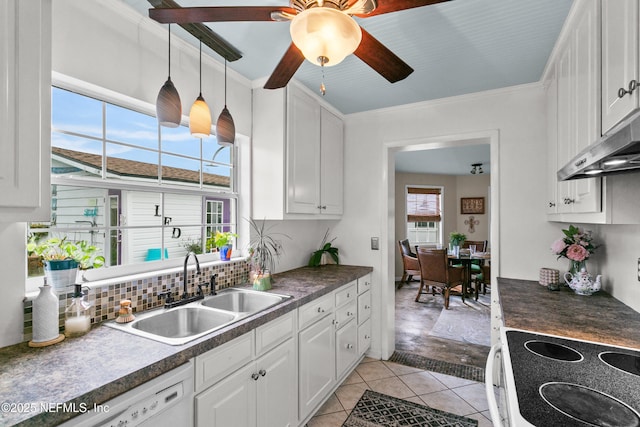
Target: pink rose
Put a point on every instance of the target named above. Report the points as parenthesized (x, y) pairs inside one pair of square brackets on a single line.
[(577, 253), (558, 246)]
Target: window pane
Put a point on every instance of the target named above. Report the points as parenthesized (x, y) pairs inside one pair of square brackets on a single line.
[(179, 169), (73, 155), (183, 209), (131, 127), (131, 163), (179, 141), (188, 240), (76, 113)]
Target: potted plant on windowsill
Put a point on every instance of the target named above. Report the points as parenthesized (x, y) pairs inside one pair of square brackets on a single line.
[(327, 254), (63, 258), (264, 251), (224, 242)]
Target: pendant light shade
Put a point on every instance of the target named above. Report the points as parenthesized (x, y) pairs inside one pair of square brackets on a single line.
[(200, 115), (168, 104), (325, 36), (225, 128)]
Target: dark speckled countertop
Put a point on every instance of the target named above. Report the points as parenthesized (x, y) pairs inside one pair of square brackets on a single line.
[(600, 317), (106, 362)]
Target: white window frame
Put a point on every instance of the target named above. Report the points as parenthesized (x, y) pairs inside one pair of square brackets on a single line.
[(441, 226)]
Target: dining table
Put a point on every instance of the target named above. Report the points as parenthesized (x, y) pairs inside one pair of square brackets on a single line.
[(465, 259)]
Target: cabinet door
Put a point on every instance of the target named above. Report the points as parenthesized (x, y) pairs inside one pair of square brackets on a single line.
[(619, 59), (303, 153), (565, 129), (331, 163), (25, 109), (346, 347), (586, 91), (364, 337), (316, 369), (231, 402), (277, 386), (552, 144)]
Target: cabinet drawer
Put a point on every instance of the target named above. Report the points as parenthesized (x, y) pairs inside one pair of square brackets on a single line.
[(364, 337), (216, 364), (346, 293), (364, 283), (364, 307), (273, 333), (346, 313), (309, 313)]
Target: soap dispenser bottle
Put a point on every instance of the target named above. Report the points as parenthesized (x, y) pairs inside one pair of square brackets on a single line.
[(78, 314)]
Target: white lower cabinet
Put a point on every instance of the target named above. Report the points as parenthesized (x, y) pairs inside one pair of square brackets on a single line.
[(346, 347), (316, 369), (258, 394)]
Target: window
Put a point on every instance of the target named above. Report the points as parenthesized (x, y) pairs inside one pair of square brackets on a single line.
[(424, 215), (138, 191)]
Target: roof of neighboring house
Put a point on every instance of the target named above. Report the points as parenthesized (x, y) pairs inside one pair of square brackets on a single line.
[(133, 168)]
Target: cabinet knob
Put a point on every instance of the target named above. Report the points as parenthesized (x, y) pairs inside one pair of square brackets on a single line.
[(323, 207), (633, 85), (366, 307), (366, 337), (262, 372), (551, 204), (568, 201), (255, 376), (349, 313), (349, 346), (320, 310)]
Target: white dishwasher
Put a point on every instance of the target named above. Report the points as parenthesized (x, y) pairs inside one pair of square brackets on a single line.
[(164, 401)]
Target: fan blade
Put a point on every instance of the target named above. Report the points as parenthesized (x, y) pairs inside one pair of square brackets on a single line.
[(204, 34), (186, 15), (380, 58), (388, 6), (286, 68)]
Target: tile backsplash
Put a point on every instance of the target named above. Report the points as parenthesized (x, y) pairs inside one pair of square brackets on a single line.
[(143, 292)]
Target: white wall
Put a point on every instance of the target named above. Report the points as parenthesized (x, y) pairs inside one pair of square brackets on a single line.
[(517, 115)]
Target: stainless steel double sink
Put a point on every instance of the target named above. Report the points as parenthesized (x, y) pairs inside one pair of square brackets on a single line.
[(179, 325)]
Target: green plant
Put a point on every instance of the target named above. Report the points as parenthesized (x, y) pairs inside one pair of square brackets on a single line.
[(56, 249), (325, 247), (264, 247), (457, 238), (194, 246), (223, 238)]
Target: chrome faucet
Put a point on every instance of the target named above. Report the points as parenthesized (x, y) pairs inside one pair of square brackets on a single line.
[(185, 295)]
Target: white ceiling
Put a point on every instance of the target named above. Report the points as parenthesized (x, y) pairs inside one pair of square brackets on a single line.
[(457, 47), (444, 161)]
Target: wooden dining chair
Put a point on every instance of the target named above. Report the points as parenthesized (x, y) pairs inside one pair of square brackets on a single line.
[(435, 272), (410, 266)]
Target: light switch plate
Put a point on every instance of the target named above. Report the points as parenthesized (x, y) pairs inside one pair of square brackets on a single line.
[(375, 245)]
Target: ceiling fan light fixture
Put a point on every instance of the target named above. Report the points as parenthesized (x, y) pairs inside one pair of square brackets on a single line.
[(323, 32)]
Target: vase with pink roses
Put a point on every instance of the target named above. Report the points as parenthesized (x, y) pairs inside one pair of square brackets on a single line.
[(576, 245)]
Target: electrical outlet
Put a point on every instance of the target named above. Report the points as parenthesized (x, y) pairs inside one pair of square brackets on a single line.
[(375, 245)]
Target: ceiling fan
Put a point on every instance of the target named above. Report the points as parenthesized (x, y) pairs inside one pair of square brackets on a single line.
[(308, 18)]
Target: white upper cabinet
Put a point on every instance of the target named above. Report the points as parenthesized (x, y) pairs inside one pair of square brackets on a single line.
[(573, 105), (25, 109), (619, 60), (297, 156)]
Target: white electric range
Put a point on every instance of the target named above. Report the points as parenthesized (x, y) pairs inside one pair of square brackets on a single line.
[(545, 380)]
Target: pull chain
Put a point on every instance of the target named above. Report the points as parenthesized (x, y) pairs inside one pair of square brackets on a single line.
[(322, 60)]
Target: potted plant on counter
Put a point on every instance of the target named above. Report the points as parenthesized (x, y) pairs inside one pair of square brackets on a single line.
[(327, 254), (264, 251), (63, 258)]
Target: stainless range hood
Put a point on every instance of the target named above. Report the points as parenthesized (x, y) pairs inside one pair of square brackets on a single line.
[(616, 152)]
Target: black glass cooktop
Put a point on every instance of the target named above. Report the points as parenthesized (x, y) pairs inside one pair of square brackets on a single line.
[(565, 382)]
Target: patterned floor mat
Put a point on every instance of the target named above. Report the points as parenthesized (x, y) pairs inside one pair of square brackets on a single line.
[(379, 410), (415, 360)]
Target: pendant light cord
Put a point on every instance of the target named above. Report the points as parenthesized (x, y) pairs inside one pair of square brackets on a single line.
[(200, 67), (169, 73), (225, 82)]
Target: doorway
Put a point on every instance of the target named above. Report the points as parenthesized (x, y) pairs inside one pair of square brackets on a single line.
[(491, 138)]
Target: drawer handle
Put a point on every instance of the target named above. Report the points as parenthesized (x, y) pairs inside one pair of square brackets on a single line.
[(633, 85), (349, 313), (262, 372), (255, 376), (366, 337), (349, 346), (320, 310), (366, 307)]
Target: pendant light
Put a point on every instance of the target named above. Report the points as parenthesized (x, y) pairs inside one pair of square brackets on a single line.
[(168, 104), (225, 128), (200, 115)]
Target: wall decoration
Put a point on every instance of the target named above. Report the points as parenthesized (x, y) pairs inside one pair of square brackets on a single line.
[(471, 222), (472, 205)]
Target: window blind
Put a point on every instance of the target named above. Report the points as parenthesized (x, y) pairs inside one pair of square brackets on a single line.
[(423, 204)]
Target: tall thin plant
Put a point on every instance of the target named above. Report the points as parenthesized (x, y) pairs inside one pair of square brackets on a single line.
[(264, 248)]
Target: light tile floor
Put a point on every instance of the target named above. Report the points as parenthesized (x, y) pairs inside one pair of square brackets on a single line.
[(439, 391)]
